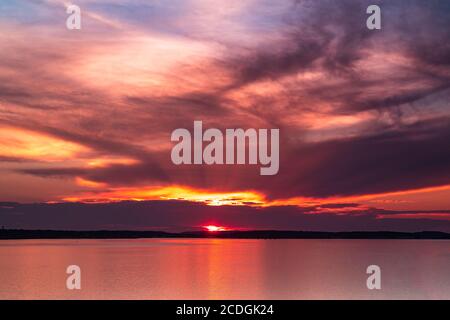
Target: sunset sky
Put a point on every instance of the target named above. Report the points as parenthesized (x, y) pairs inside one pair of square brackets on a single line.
[(86, 115)]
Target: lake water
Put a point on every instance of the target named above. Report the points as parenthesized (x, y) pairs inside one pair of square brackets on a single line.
[(224, 269)]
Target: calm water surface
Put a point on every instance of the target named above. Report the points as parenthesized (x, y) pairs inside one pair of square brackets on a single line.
[(224, 269)]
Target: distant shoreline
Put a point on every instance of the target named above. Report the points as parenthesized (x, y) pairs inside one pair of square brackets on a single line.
[(18, 234)]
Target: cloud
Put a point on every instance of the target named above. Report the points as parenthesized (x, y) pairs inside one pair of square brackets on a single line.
[(183, 215), (360, 112)]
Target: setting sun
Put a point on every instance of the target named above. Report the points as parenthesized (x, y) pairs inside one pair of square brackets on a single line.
[(212, 228)]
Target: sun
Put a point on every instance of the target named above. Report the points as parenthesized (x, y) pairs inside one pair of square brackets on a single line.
[(212, 228)]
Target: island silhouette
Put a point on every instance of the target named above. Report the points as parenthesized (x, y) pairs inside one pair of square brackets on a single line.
[(10, 234)]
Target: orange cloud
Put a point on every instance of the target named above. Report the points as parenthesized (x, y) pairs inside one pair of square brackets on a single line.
[(104, 162), (29, 145), (170, 193), (250, 198), (87, 183)]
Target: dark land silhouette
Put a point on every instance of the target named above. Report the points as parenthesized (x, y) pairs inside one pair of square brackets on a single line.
[(6, 234)]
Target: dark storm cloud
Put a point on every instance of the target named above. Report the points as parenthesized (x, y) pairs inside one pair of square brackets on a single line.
[(53, 172), (411, 157), (182, 215), (272, 66)]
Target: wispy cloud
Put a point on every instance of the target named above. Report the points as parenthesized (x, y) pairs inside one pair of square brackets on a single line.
[(360, 112)]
